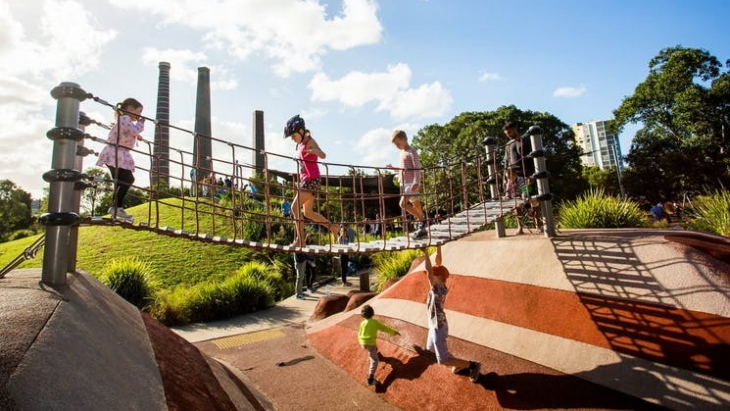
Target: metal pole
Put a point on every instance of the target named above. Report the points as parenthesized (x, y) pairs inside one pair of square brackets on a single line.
[(79, 187), (62, 178), (490, 143), (541, 175)]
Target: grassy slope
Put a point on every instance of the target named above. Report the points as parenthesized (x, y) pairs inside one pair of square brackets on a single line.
[(175, 260)]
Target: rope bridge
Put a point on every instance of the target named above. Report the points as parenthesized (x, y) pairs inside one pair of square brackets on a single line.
[(459, 196)]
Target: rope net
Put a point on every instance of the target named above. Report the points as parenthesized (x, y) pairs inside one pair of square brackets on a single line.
[(229, 201)]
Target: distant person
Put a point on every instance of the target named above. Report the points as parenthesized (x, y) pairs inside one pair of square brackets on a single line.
[(311, 265), (308, 153), (410, 181), (193, 183), (300, 266), (657, 212), (377, 226), (116, 154), (517, 170), (253, 193), (228, 183), (286, 208), (344, 239), (208, 182), (438, 327), (368, 338)]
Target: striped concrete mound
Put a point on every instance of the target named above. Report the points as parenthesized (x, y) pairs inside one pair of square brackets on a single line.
[(604, 319), (82, 347)]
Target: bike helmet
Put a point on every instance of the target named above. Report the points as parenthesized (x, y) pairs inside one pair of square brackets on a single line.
[(295, 123)]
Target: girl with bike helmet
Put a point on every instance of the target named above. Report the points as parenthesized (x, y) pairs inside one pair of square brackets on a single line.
[(308, 153)]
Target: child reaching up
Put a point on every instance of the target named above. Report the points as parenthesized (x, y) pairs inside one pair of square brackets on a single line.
[(368, 336)]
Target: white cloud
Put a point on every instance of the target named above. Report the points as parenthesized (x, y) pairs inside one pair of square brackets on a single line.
[(65, 48), (428, 100), (485, 76), (294, 34), (313, 113), (376, 146), (569, 92), (184, 67), (390, 89)]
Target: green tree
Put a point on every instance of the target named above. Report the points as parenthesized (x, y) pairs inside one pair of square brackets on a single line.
[(684, 104), (15, 212), (605, 180), (91, 198), (463, 137)]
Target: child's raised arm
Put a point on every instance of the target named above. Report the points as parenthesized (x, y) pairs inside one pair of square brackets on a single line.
[(429, 267)]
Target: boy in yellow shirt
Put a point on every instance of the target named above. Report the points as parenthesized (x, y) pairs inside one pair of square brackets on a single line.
[(368, 336)]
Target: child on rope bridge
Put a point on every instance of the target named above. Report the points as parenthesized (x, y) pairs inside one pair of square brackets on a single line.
[(410, 181), (368, 337)]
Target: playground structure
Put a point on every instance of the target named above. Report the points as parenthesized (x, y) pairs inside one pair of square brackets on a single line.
[(593, 319), (455, 194)]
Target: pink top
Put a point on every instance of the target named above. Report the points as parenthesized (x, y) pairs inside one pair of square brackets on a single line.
[(129, 130), (308, 169), (410, 166)]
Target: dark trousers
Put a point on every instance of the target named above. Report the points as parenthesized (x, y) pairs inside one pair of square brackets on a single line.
[(123, 179), (344, 260), (309, 278)]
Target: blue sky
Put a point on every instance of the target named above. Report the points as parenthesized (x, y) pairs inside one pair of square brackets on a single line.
[(354, 69)]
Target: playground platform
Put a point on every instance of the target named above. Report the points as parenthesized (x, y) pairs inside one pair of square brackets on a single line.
[(590, 320)]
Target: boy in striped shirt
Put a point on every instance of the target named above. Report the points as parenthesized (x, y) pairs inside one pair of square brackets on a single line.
[(410, 181)]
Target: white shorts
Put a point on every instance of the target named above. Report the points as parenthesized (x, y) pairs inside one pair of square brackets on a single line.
[(409, 192), (436, 342)]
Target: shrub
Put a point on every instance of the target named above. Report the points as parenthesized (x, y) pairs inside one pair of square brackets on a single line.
[(595, 209), (213, 301), (269, 275), (131, 279), (389, 265), (711, 213), (19, 234)]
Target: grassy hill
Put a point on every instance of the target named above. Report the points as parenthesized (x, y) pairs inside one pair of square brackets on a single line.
[(176, 261)]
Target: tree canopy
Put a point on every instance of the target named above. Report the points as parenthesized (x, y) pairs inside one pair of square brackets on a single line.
[(684, 104), (15, 211), (464, 134)]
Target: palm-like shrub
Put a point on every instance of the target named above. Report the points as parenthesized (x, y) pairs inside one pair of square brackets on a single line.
[(242, 293), (595, 209), (711, 213), (130, 277), (389, 265)]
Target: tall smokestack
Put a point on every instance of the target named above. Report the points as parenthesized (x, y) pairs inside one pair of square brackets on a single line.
[(258, 142), (202, 145), (160, 170)]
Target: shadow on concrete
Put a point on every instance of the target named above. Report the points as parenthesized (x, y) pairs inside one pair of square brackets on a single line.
[(410, 368), (641, 318)]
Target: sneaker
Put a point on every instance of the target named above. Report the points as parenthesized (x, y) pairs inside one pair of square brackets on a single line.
[(346, 284), (372, 381), (310, 290), (123, 214), (419, 234), (473, 371), (301, 296)]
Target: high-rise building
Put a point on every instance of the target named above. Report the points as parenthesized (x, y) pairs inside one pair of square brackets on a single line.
[(600, 147)]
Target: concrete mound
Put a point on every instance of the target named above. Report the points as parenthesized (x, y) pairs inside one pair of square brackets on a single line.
[(590, 319), (82, 347)]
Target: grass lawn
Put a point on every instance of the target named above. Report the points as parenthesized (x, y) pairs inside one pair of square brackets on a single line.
[(176, 261)]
